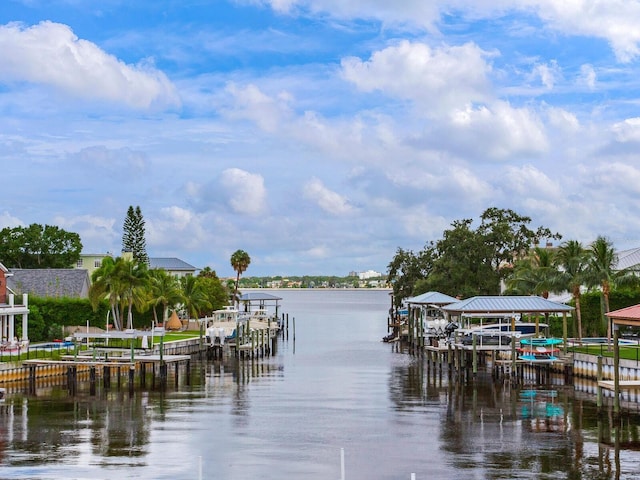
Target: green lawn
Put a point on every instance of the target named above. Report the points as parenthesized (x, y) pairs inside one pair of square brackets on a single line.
[(626, 352)]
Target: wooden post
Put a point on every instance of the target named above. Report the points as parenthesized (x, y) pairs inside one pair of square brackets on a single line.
[(474, 341), (616, 369), (564, 331), (599, 388)]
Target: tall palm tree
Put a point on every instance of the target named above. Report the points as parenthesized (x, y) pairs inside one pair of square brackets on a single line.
[(572, 260), (194, 296), (134, 279), (600, 273), (164, 289), (535, 274), (106, 284), (240, 261)]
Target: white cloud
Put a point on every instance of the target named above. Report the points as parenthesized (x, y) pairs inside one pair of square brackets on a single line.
[(528, 181), (549, 73), (328, 200), (497, 132), (445, 77), (588, 76), (51, 54), (8, 220), (627, 130), (253, 104), (246, 193), (98, 234)]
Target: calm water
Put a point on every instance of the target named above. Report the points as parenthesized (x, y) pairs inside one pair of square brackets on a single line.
[(287, 417)]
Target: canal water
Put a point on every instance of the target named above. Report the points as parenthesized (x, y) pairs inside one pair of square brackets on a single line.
[(332, 387)]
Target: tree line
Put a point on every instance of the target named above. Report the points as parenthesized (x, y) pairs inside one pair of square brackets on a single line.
[(504, 255)]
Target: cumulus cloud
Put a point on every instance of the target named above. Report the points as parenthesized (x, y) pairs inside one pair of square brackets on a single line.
[(253, 104), (627, 130), (441, 77), (616, 21), (245, 191), (328, 200), (8, 220), (495, 132), (51, 54)]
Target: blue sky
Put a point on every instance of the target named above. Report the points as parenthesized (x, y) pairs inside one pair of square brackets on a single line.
[(318, 135)]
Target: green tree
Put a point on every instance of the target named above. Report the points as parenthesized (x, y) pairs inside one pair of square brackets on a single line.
[(164, 289), (134, 281), (240, 261), (536, 274), (36, 246), (468, 261), (133, 235), (194, 295), (105, 284), (571, 261), (406, 269), (601, 273), (123, 283)]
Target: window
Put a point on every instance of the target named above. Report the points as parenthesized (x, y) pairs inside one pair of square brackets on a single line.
[(79, 264), (97, 263)]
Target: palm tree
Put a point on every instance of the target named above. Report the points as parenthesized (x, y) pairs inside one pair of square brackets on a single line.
[(164, 289), (535, 274), (571, 261), (240, 261), (194, 296), (133, 278), (600, 273), (106, 284)]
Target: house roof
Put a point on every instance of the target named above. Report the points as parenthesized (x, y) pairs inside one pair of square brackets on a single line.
[(628, 258), (505, 304), (432, 298), (170, 263), (626, 316), (50, 282)]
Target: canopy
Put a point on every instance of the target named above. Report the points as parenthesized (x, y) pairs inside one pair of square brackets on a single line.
[(626, 316), (505, 304), (431, 298)]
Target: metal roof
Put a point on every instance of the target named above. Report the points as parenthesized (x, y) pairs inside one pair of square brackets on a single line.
[(626, 316), (506, 304), (170, 263), (627, 259), (258, 296), (432, 298)]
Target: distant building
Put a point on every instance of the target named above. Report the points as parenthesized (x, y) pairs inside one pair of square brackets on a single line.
[(369, 274)]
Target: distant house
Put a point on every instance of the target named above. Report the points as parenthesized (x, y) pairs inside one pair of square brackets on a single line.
[(173, 266), (50, 282)]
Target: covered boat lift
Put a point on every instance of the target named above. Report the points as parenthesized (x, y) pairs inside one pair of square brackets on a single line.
[(509, 306)]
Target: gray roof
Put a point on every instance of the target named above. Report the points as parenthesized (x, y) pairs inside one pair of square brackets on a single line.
[(432, 298), (50, 282), (258, 297), (170, 263), (628, 259), (506, 304)]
